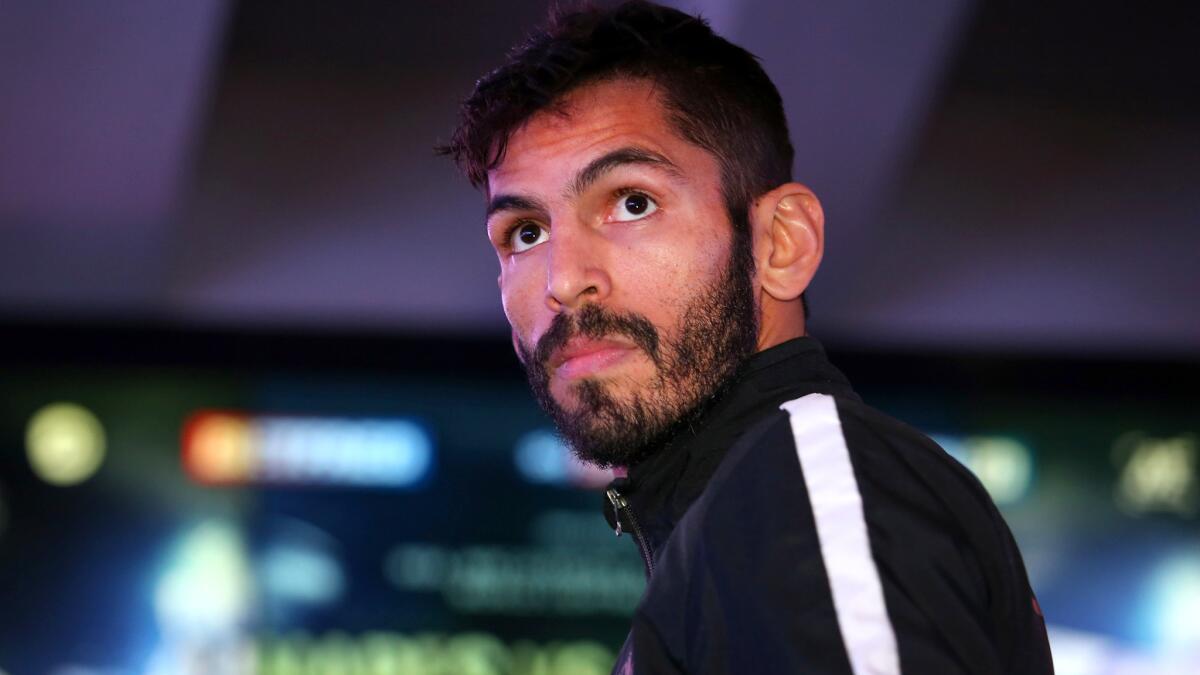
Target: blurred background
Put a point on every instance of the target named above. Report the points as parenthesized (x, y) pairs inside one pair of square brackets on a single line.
[(258, 407)]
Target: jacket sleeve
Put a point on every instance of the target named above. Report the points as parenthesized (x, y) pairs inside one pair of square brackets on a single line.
[(784, 567)]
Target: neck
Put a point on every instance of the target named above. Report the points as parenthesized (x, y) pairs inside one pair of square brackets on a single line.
[(779, 321)]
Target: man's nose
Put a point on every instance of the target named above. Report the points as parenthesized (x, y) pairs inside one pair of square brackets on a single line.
[(575, 271)]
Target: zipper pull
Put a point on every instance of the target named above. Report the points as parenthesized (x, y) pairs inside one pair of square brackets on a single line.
[(618, 503)]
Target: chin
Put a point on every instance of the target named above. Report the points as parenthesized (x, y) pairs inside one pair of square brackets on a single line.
[(567, 394)]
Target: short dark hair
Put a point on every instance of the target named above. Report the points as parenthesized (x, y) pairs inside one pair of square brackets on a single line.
[(716, 94)]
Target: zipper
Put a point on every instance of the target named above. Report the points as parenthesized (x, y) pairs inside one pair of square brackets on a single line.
[(619, 505)]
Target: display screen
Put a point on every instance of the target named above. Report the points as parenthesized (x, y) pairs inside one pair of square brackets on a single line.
[(182, 502)]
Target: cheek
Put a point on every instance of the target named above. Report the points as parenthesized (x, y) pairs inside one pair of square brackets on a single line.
[(521, 301), (666, 273)]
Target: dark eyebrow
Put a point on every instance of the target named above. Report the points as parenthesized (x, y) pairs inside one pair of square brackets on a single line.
[(586, 177), (513, 203), (619, 157)]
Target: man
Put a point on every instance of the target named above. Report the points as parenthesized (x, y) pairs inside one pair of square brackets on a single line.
[(654, 253)]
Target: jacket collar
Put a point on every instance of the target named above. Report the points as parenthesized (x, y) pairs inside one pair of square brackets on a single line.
[(662, 487)]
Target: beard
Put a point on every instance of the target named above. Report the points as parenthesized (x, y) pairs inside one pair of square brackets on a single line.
[(713, 337)]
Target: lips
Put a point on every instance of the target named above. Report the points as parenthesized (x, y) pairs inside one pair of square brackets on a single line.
[(583, 357)]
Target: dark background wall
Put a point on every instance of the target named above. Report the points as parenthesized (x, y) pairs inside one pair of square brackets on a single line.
[(997, 175)]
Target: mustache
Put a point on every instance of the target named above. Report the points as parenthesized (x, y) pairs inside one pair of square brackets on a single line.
[(597, 323)]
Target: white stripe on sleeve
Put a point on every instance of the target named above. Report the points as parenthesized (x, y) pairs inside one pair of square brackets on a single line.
[(837, 508)]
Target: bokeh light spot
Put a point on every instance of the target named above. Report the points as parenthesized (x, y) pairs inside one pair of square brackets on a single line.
[(1002, 464), (65, 443), (541, 457), (1174, 595), (302, 575), (219, 448), (207, 588), (1159, 474)]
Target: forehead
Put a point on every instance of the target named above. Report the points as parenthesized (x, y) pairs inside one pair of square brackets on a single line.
[(594, 119)]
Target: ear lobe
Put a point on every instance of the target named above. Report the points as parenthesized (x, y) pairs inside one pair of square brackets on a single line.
[(789, 240)]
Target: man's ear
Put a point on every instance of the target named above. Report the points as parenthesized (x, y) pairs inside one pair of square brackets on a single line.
[(789, 239)]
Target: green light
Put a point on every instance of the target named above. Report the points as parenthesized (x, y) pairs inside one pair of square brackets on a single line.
[(208, 587), (65, 444), (387, 653), (1003, 465), (1159, 474)]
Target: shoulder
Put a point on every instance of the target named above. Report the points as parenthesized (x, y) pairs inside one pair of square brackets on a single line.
[(819, 438), (803, 483), (829, 498)]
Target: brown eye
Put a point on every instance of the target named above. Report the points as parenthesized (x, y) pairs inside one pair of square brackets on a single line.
[(527, 235), (633, 206)]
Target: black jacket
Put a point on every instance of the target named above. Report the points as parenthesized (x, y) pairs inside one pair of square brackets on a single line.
[(796, 530)]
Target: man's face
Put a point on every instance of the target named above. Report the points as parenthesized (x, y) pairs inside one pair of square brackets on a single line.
[(630, 301)]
